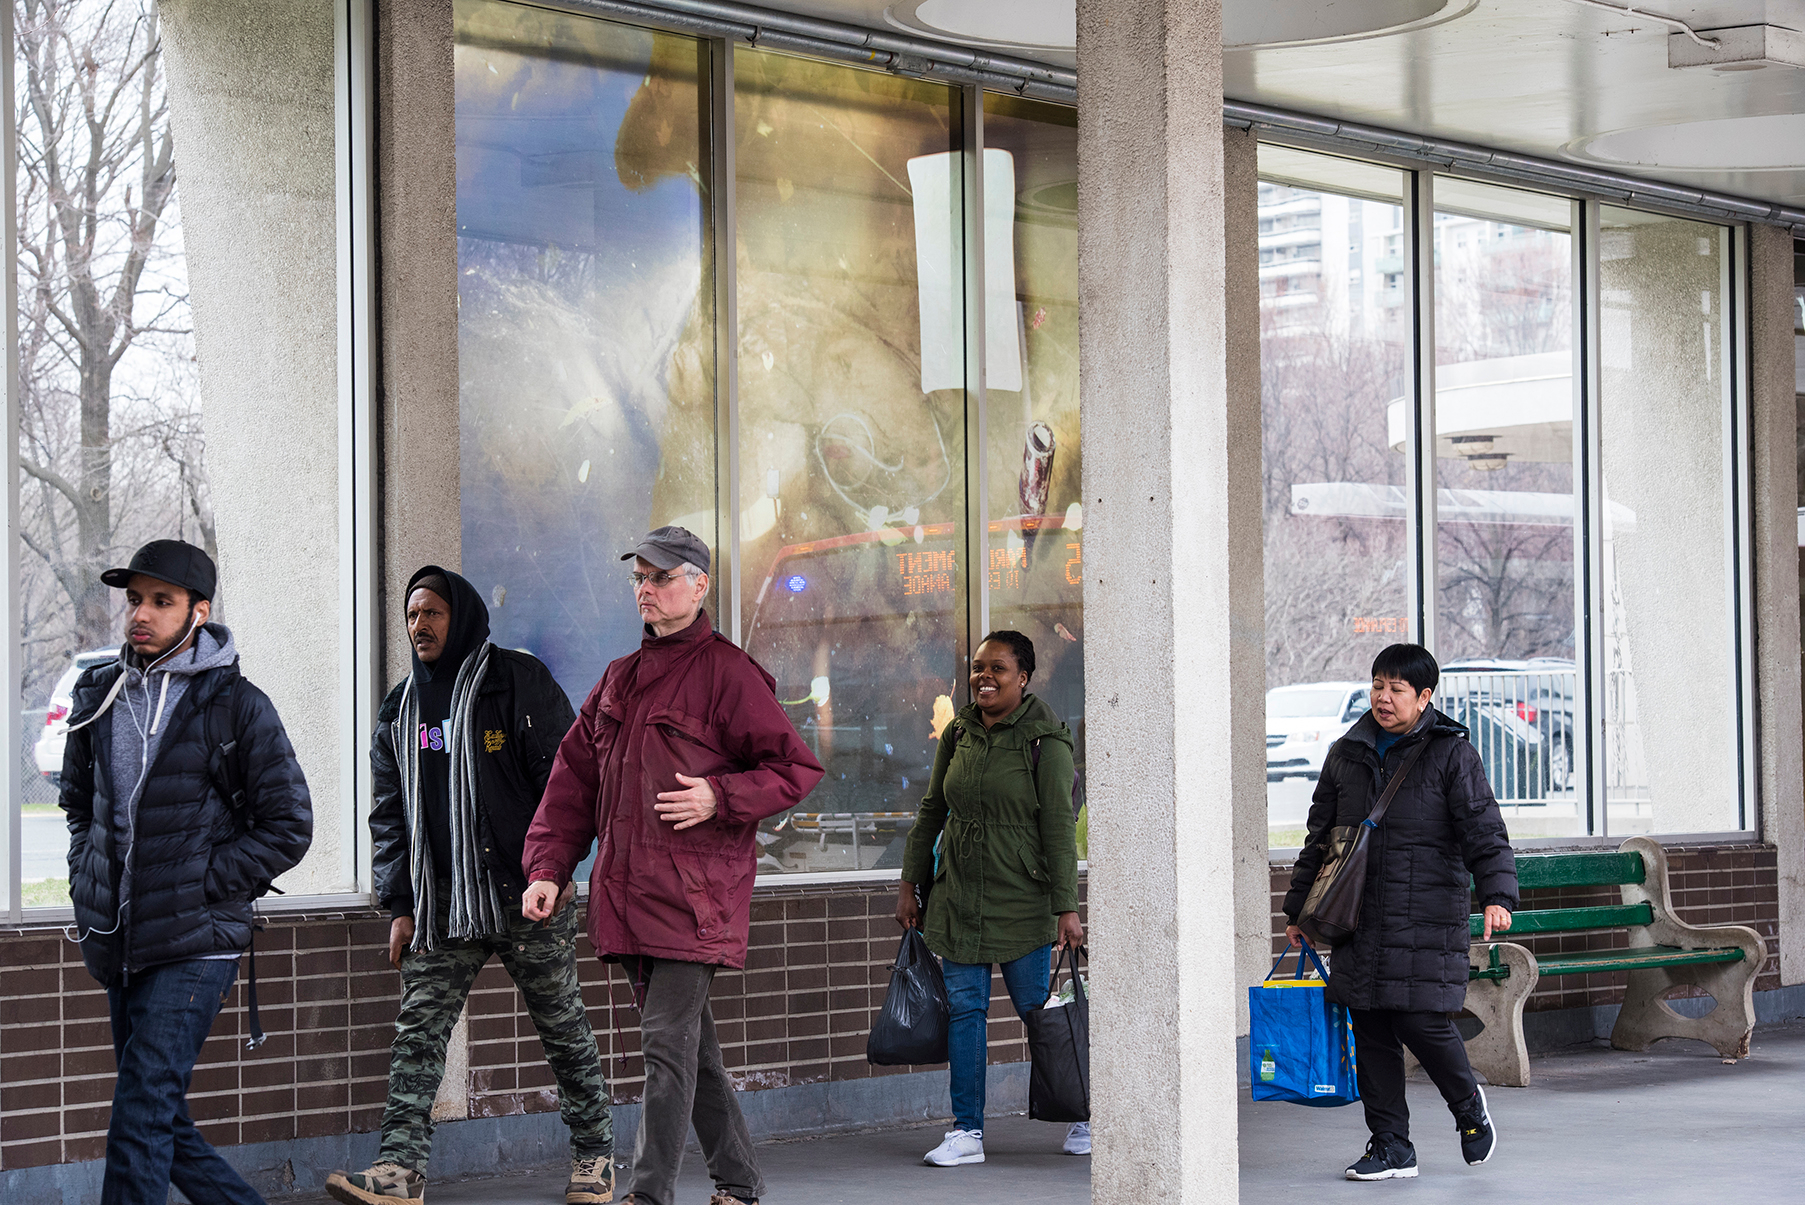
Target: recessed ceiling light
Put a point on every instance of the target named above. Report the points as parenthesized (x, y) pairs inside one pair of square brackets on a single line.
[(1753, 144), (1246, 24)]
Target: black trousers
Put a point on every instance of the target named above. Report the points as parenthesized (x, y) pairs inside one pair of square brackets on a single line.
[(1379, 1040)]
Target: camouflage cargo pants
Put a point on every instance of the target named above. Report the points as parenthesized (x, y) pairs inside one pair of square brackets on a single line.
[(542, 960)]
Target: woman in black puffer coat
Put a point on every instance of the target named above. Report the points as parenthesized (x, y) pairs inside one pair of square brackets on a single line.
[(1405, 969)]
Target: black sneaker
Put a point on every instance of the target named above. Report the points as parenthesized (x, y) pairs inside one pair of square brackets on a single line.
[(1478, 1137), (1387, 1157)]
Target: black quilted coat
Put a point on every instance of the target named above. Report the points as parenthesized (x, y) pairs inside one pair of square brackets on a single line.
[(194, 874), (1410, 950)]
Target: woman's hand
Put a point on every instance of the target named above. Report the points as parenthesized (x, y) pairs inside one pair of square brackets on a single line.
[(1293, 935), (1071, 933), (1496, 917), (908, 912)]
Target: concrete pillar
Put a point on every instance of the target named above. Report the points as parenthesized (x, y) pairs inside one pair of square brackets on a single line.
[(416, 151), (1246, 533), (1172, 592), (251, 99), (1773, 430)]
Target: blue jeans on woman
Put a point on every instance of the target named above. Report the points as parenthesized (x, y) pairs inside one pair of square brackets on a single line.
[(967, 1044), (160, 1018)]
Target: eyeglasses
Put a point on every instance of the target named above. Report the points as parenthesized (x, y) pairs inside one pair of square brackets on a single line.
[(659, 580)]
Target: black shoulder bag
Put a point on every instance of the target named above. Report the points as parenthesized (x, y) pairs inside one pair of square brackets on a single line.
[(1331, 911)]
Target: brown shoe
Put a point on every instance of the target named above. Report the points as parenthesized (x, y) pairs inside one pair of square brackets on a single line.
[(591, 1181)]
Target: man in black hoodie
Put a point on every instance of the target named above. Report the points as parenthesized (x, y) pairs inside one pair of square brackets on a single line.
[(462, 749), (184, 800)]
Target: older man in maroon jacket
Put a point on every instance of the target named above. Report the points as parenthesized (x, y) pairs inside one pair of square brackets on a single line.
[(678, 753)]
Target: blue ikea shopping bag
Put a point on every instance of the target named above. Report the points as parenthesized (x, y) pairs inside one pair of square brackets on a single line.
[(1300, 1046)]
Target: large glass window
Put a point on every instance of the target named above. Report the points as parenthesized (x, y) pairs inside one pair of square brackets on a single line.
[(585, 320), (1504, 537), (111, 445), (1334, 355), (1668, 630), (1033, 458), (852, 397)]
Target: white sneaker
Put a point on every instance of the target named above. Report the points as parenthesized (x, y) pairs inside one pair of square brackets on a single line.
[(961, 1146), (1078, 1138)]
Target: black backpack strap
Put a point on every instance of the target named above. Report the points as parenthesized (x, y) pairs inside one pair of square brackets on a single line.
[(225, 760)]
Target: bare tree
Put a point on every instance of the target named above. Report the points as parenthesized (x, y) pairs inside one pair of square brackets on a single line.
[(97, 176)]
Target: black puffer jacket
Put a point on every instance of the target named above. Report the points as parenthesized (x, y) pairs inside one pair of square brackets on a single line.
[(521, 716), (1410, 950), (194, 875)]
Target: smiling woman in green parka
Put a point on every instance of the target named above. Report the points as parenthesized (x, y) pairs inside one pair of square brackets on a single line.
[(1005, 881)]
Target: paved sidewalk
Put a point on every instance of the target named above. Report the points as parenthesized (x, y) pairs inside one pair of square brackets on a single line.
[(1597, 1126)]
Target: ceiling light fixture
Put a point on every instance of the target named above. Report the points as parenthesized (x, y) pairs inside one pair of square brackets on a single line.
[(1488, 462)]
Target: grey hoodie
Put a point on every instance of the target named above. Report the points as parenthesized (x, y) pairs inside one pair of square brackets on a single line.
[(140, 718)]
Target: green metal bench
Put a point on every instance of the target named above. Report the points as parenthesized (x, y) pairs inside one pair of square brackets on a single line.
[(1664, 952)]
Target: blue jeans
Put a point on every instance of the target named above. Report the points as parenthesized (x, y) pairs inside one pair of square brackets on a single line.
[(967, 1045), (160, 1018)]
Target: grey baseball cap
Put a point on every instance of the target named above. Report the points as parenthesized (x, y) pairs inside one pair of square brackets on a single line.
[(669, 547)]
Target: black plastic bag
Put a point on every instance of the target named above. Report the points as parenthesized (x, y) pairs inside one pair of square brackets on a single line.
[(1059, 1052), (911, 1030)]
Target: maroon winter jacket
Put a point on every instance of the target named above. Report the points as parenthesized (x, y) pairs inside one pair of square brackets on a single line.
[(690, 703)]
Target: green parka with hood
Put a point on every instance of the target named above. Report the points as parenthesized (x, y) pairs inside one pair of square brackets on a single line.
[(1009, 864)]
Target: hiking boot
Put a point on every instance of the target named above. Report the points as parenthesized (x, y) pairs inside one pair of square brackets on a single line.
[(1387, 1157), (960, 1146), (1078, 1138), (378, 1185), (591, 1181), (1478, 1137)]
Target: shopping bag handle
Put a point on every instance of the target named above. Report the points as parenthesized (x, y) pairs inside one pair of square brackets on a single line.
[(1303, 948), (1077, 983)]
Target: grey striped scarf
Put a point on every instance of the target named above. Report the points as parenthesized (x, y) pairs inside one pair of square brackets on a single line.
[(476, 909)]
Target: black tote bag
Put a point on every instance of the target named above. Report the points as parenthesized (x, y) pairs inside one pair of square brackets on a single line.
[(911, 1029), (1059, 1050)]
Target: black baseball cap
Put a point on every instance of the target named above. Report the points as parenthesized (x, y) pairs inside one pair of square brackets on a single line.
[(669, 547), (172, 561)]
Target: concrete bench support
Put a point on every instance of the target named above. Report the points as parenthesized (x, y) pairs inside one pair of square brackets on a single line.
[(1646, 1017), (1498, 1052)]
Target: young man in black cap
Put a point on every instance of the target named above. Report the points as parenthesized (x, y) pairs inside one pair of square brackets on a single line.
[(462, 750), (184, 800)]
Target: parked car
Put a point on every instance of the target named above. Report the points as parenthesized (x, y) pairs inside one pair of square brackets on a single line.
[(1303, 720), (48, 752), (1539, 692)]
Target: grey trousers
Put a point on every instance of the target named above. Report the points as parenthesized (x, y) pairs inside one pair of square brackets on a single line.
[(686, 1082)]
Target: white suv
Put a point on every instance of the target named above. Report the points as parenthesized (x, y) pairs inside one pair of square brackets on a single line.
[(49, 749), (1302, 721)]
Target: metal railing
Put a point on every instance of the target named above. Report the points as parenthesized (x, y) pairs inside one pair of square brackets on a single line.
[(1522, 723)]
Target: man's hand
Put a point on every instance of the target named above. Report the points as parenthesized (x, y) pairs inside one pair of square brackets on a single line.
[(908, 912), (541, 900), (1496, 917), (401, 936), (1071, 933), (688, 807)]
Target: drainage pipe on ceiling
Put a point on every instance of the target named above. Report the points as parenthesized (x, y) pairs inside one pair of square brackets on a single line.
[(1351, 138), (939, 60), (831, 39)]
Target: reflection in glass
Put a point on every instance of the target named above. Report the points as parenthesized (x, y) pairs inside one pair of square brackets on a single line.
[(584, 337), (1667, 628), (1505, 542), (852, 450), (1035, 550), (1334, 352)]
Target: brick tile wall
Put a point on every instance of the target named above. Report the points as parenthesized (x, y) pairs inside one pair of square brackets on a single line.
[(1711, 885), (799, 1013)]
